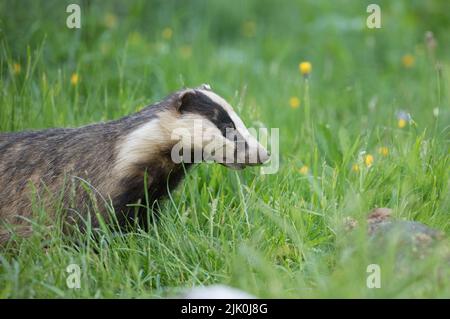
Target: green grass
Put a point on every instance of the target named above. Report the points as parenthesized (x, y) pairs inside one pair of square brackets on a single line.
[(277, 235)]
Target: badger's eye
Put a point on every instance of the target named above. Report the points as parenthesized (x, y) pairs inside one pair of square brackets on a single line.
[(227, 127)]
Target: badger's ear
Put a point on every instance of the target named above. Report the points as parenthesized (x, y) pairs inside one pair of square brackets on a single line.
[(205, 86), (183, 97)]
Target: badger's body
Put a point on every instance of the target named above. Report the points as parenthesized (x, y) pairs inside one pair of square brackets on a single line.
[(90, 167)]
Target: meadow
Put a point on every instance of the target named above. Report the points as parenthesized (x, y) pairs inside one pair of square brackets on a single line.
[(366, 127)]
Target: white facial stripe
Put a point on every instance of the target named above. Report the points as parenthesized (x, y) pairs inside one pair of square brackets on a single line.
[(136, 145), (143, 143), (254, 147), (227, 107), (240, 126), (197, 127)]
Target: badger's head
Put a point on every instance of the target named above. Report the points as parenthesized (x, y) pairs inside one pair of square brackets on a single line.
[(190, 126), (205, 127)]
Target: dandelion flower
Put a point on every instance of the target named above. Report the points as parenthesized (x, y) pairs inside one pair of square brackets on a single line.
[(294, 102), (368, 160), (408, 61), (74, 79), (383, 151), (304, 170), (403, 119), (167, 33), (355, 168), (110, 20), (186, 51), (16, 68), (305, 68)]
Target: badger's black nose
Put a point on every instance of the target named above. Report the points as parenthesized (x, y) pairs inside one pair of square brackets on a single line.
[(263, 156)]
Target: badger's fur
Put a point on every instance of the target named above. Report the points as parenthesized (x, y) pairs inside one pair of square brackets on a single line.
[(110, 159)]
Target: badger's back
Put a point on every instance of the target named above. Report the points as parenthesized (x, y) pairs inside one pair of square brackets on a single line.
[(47, 161), (74, 168)]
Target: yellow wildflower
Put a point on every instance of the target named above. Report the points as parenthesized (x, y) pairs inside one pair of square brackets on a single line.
[(305, 68), (401, 123), (186, 51), (368, 160), (383, 151), (110, 20), (248, 29), (135, 38), (355, 168), (167, 33), (74, 79), (16, 68), (304, 170), (294, 102), (408, 60)]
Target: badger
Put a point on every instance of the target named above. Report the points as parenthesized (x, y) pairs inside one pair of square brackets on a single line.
[(112, 166)]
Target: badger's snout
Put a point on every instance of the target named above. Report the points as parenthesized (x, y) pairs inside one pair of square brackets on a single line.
[(256, 156), (263, 156), (247, 151), (210, 127)]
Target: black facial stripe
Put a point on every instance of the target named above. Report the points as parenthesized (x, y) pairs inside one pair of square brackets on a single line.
[(201, 104)]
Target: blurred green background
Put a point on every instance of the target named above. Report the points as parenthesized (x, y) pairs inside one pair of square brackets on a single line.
[(139, 51)]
